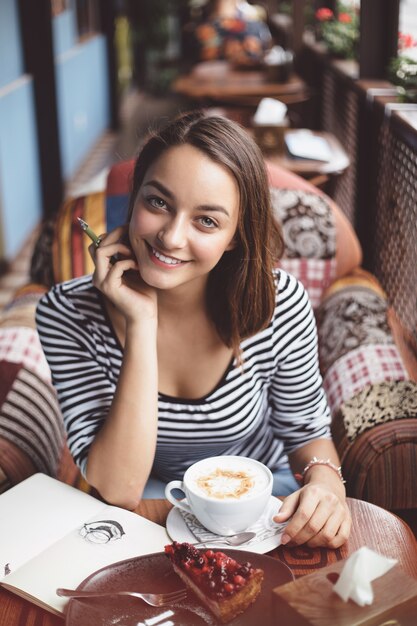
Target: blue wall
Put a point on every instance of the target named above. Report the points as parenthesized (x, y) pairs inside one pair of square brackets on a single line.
[(83, 115), (20, 203), (83, 100), (64, 32), (11, 58)]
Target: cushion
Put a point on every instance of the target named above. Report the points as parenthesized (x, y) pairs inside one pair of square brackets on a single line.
[(310, 238), (31, 426), (370, 394), (30, 419), (356, 345), (103, 211)]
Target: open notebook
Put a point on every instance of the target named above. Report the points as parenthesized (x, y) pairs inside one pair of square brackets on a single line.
[(52, 535)]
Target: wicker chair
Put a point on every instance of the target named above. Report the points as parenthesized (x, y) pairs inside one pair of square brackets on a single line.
[(368, 372)]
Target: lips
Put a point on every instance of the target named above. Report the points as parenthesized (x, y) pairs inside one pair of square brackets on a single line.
[(163, 259)]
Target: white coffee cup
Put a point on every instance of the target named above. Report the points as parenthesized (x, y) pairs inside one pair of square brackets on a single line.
[(227, 494)]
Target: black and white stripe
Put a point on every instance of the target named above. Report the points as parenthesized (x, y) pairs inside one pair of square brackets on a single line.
[(272, 406)]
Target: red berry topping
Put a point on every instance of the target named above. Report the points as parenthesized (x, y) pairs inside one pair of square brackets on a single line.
[(228, 587), (213, 571)]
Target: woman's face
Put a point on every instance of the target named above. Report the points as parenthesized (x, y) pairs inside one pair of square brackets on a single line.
[(184, 219)]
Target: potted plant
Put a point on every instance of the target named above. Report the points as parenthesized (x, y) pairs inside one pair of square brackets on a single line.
[(339, 32), (403, 69)]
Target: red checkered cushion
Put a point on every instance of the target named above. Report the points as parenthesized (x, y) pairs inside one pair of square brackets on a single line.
[(363, 366)]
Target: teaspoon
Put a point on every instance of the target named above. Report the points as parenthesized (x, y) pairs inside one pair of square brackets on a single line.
[(232, 540)]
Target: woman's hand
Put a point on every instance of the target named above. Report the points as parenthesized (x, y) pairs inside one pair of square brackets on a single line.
[(320, 516), (125, 289)]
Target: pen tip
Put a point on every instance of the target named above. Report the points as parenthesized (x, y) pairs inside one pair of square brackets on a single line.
[(83, 224)]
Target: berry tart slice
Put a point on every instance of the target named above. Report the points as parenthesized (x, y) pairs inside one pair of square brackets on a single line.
[(225, 586)]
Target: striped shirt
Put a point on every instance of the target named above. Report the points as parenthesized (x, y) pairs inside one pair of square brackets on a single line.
[(266, 409)]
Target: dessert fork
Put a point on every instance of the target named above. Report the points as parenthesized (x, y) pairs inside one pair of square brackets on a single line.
[(154, 599)]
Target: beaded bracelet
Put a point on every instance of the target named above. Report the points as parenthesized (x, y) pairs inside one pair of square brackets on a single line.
[(316, 461)]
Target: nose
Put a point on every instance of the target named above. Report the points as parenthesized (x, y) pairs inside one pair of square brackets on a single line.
[(173, 234)]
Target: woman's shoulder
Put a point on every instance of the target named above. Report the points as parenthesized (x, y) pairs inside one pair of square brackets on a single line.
[(291, 296), (287, 283)]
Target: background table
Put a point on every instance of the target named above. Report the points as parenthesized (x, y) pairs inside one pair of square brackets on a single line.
[(372, 526), (219, 81)]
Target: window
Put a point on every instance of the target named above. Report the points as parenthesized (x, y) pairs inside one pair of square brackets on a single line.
[(408, 17)]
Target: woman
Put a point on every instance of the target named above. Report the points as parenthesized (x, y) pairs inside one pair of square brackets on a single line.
[(191, 345), (232, 30)]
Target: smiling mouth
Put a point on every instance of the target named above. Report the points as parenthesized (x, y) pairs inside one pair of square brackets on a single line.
[(162, 258)]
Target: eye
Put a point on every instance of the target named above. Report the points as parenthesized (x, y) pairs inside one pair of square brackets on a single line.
[(207, 222), (156, 202)]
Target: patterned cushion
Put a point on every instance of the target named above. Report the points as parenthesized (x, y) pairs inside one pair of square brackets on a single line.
[(360, 367), (375, 433), (310, 238), (353, 313), (356, 345), (378, 403), (373, 402)]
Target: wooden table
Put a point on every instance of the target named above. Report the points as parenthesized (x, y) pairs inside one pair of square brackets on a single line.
[(336, 165), (219, 81), (372, 526)]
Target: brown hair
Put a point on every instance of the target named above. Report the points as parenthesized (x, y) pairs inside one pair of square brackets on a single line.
[(241, 287)]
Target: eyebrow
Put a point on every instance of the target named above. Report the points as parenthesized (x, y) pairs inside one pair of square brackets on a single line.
[(201, 207)]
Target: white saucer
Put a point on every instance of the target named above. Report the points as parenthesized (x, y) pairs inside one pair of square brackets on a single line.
[(178, 530)]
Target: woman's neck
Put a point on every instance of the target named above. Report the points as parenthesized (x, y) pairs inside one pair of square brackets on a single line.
[(182, 303)]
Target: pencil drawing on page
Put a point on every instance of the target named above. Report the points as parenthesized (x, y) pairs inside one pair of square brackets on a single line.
[(102, 531)]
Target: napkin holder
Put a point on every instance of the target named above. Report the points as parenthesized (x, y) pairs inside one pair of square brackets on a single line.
[(271, 137), (311, 601)]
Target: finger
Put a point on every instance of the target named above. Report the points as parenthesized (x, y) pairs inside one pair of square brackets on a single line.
[(113, 276), (307, 505), (288, 507), (114, 235), (333, 534), (343, 533), (92, 251), (314, 525), (118, 269), (109, 250), (329, 530)]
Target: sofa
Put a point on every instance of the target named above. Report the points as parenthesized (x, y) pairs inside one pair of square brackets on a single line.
[(368, 363)]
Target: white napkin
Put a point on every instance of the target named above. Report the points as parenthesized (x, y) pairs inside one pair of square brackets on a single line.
[(360, 569), (278, 56), (264, 528), (304, 144), (270, 112)]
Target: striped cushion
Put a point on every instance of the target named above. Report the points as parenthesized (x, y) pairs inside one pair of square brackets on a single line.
[(30, 420), (31, 427)]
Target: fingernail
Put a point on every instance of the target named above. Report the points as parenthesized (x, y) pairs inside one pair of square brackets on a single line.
[(285, 539)]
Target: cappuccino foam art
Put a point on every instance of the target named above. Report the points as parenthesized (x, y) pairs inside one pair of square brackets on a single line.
[(229, 480)]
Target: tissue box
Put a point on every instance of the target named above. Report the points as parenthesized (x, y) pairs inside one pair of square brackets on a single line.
[(310, 601), (270, 137)]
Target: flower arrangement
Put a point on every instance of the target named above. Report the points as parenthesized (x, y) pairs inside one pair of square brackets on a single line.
[(403, 69), (339, 32)]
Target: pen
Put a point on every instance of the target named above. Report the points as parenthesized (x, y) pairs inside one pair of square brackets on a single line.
[(94, 238)]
